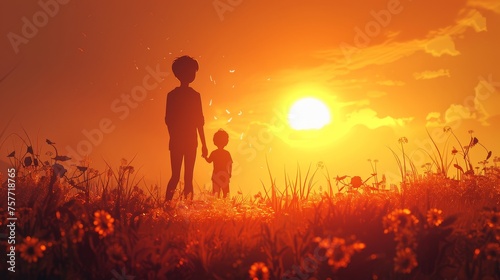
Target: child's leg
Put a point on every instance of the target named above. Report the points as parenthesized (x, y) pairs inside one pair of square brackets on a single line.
[(225, 190), (175, 163), (189, 159), (215, 189)]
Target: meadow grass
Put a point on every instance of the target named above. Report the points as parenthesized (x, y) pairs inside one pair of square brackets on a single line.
[(88, 224)]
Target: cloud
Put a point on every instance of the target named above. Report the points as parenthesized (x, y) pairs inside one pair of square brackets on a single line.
[(441, 45), (359, 58), (440, 42), (426, 75), (369, 118), (487, 102), (391, 83), (434, 119), (480, 106), (475, 20), (492, 5), (433, 115)]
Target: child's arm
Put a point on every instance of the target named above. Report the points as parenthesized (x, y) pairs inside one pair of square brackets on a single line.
[(209, 159)]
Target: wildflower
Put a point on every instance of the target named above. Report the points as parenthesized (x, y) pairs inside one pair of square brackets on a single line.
[(405, 261), (473, 142), (77, 232), (116, 254), (434, 217), (492, 252), (259, 271), (323, 243), (103, 222), (31, 249), (338, 252), (399, 219), (356, 182)]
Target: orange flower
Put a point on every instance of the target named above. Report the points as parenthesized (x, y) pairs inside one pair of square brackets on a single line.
[(338, 252), (77, 232), (103, 222), (434, 217), (31, 249), (259, 271), (405, 261), (398, 220)]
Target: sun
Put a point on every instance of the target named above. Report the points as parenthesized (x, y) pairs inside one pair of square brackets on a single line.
[(308, 113)]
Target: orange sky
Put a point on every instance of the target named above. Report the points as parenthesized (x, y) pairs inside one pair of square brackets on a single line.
[(386, 69)]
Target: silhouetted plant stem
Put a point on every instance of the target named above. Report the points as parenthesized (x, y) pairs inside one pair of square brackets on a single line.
[(467, 162), (443, 170)]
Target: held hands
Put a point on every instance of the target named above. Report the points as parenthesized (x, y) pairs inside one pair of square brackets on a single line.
[(204, 151)]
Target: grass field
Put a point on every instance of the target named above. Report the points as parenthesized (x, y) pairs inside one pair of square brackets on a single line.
[(88, 224)]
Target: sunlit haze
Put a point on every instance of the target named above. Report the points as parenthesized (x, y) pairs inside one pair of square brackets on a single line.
[(92, 76)]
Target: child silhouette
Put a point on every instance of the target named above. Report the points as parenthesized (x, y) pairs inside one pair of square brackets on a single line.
[(222, 164), (184, 120)]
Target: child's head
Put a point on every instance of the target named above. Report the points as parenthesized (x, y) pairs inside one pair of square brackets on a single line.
[(221, 138), (185, 68)]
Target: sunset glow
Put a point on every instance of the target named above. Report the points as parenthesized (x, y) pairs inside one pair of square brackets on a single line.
[(236, 139), (383, 68)]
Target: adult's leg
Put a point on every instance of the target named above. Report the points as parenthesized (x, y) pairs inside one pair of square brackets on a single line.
[(189, 159), (175, 163)]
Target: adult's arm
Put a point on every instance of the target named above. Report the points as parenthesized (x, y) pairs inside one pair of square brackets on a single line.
[(201, 131)]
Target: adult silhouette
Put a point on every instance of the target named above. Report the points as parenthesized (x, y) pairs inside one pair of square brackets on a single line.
[(184, 120)]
